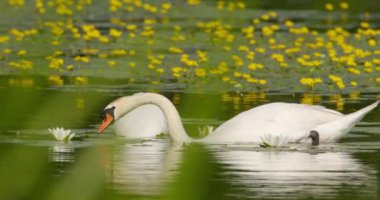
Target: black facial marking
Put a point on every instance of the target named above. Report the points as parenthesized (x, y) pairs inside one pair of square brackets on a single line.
[(109, 111), (314, 135)]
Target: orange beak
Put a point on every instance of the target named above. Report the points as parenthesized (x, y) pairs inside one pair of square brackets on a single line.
[(106, 122)]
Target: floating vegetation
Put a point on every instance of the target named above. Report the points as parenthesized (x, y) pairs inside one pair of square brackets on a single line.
[(232, 46)]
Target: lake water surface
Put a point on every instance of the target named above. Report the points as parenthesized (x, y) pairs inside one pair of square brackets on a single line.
[(104, 166)]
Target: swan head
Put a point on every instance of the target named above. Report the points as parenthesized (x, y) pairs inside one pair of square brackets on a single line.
[(108, 116), (314, 135), (118, 108)]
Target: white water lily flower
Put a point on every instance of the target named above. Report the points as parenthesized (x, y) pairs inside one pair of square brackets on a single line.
[(206, 130), (269, 140), (61, 134)]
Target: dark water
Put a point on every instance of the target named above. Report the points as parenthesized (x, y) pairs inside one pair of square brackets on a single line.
[(93, 166)]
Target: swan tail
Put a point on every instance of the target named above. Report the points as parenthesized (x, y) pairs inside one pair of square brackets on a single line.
[(334, 130)]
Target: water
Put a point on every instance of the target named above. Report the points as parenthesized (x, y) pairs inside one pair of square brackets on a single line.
[(103, 166)]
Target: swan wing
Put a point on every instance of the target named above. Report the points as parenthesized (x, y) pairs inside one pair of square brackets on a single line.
[(285, 120)]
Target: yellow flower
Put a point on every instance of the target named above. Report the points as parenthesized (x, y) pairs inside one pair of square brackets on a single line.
[(131, 27), (70, 67), (4, 39), (237, 74), (22, 52), (240, 5), (63, 9), (56, 63), (84, 59), (344, 5), (265, 17), (278, 57), (177, 71), (310, 82), (289, 23), (115, 5), (250, 55), (193, 2), (147, 32), (187, 61), (378, 79), (115, 33), (226, 79), (202, 55), (150, 21), (132, 52), (80, 80), (104, 39), (372, 42), (16, 2), (256, 21), (266, 31), (200, 72), (90, 32), (175, 50), (40, 6), (149, 8), (254, 66), (166, 6), (7, 51), (118, 52), (111, 63), (248, 32), (55, 42), (260, 50), (329, 6), (364, 24), (338, 81), (262, 82), (243, 48), (227, 48), (160, 70), (151, 66), (132, 64), (353, 70), (237, 60)]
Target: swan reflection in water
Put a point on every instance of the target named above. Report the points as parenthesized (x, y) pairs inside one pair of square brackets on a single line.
[(282, 174), (145, 168)]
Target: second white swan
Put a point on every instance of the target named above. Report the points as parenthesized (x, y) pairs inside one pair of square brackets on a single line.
[(289, 121)]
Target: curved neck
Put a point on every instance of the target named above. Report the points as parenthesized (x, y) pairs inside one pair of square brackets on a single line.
[(175, 126)]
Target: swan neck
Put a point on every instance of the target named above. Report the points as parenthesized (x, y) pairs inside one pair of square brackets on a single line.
[(174, 122)]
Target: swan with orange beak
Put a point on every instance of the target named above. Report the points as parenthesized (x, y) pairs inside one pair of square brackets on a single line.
[(292, 123), (146, 121), (108, 117)]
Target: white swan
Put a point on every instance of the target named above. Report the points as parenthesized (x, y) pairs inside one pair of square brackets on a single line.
[(145, 121), (294, 122)]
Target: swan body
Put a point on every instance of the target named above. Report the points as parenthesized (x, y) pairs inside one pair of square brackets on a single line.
[(145, 121), (288, 122)]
